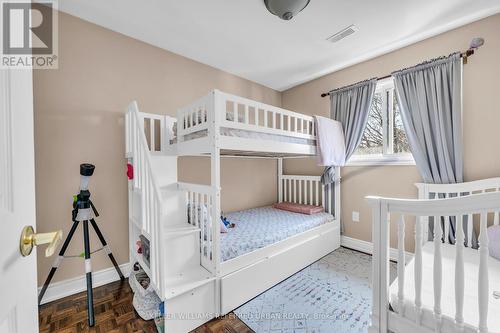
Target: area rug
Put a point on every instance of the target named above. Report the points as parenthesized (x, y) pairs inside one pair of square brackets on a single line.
[(331, 295)]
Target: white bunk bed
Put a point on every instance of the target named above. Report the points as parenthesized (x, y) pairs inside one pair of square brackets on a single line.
[(181, 220), (445, 287)]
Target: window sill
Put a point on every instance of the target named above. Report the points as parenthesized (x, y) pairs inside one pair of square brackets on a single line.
[(359, 160)]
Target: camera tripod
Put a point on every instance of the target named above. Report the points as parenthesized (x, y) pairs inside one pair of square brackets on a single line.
[(83, 211)]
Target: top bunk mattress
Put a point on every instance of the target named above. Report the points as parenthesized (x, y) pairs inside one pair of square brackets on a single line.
[(249, 135), (471, 269), (259, 227)]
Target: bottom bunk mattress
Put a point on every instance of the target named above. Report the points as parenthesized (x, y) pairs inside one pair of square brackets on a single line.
[(471, 269), (259, 227)]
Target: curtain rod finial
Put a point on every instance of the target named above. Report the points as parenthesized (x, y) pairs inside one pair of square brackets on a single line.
[(324, 94), (476, 42)]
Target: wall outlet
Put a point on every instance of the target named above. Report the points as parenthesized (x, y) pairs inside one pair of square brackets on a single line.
[(355, 216)]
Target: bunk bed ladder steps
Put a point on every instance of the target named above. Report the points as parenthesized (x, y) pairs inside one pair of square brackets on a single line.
[(181, 280)]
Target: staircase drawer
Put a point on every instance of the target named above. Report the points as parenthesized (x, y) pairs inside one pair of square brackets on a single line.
[(187, 311)]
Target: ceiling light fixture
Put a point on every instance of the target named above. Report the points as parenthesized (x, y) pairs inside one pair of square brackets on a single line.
[(286, 9)]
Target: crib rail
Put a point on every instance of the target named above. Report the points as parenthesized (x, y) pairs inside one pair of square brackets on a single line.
[(138, 153), (382, 209), (202, 214), (436, 191)]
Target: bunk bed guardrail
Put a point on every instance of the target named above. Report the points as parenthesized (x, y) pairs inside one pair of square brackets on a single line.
[(463, 201), (138, 153), (202, 215), (306, 190), (242, 114)]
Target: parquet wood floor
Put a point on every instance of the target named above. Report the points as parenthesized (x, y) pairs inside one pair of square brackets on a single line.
[(114, 313)]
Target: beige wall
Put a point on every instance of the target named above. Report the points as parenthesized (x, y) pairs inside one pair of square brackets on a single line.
[(79, 118), (481, 118), (79, 112)]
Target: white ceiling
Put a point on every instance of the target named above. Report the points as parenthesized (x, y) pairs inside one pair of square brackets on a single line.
[(243, 38)]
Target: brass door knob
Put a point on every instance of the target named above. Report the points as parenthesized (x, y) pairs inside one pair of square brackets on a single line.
[(29, 239)]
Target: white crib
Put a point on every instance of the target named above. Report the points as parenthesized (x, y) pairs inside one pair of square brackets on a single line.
[(446, 287)]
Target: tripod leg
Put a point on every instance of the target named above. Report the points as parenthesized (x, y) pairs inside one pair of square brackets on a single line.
[(107, 249), (57, 261), (88, 274)]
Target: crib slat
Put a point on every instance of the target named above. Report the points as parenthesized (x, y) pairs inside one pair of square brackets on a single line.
[(401, 264), (437, 272), (418, 269), (247, 116), (266, 116), (459, 274), (470, 227), (483, 283), (282, 122), (446, 224)]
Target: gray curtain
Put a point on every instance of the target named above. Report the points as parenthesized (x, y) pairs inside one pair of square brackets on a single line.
[(429, 96), (350, 105)]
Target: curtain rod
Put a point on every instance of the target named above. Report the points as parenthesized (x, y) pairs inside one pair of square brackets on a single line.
[(463, 55)]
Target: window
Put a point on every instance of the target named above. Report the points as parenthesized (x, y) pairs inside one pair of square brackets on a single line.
[(384, 140)]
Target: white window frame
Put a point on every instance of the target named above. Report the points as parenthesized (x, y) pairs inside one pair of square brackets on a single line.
[(387, 157)]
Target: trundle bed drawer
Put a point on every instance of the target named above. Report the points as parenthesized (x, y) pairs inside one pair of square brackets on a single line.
[(245, 284)]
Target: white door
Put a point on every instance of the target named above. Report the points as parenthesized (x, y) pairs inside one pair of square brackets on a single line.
[(18, 281)]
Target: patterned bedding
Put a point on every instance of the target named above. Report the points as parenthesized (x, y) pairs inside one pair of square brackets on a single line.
[(259, 227)]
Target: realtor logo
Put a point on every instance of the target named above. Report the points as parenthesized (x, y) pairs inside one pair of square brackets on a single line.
[(29, 36)]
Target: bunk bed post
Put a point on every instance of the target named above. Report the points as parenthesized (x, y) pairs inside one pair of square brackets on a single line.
[(336, 194), (215, 183), (280, 179)]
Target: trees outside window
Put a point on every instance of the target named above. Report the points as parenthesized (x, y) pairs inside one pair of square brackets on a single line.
[(384, 136)]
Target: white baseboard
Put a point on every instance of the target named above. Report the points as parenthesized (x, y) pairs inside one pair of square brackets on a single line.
[(75, 285), (367, 247)]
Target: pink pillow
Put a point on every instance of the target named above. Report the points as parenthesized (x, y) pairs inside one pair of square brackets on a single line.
[(299, 208)]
